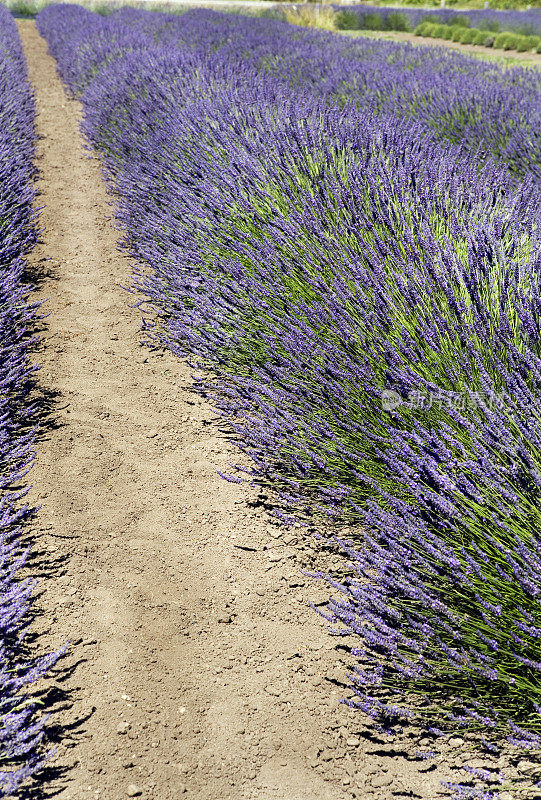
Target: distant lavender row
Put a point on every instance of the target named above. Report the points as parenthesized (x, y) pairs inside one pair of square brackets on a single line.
[(524, 22), (20, 728), (323, 262), (477, 104)]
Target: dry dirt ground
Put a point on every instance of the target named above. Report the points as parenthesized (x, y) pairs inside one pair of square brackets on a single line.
[(533, 59), (196, 668)]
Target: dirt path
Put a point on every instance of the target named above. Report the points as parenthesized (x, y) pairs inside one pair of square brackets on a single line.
[(533, 59), (199, 668)]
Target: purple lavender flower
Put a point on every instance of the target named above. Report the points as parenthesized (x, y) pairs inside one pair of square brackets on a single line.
[(309, 233), (21, 729)]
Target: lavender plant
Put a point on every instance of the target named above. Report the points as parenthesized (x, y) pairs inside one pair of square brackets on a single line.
[(480, 106), (21, 727), (367, 300)]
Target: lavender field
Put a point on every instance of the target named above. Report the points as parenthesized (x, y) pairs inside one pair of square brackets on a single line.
[(20, 722), (343, 236)]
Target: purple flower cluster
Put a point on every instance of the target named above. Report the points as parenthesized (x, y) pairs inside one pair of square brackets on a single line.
[(21, 729), (315, 257), (523, 22), (479, 105)]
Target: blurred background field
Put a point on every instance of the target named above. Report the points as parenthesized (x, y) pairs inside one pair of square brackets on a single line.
[(32, 7), (485, 28)]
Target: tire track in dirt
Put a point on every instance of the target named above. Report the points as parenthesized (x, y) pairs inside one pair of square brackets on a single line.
[(200, 671)]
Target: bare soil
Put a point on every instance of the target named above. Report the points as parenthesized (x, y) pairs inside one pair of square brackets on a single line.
[(196, 668)]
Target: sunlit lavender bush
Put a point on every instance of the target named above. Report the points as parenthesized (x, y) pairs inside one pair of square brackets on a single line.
[(20, 729), (481, 106), (368, 302)]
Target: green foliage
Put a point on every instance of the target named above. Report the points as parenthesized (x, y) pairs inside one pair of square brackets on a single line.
[(465, 4), (506, 41), (307, 16), (104, 8), (430, 31), (440, 31), (509, 4), (465, 35), (456, 33), (25, 8), (396, 22), (481, 37), (512, 42), (532, 42), (459, 21), (489, 24), (348, 21), (29, 8), (267, 13), (428, 19), (469, 35), (525, 30), (421, 28), (372, 22)]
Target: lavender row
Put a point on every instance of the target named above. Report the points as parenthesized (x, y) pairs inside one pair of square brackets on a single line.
[(21, 729), (368, 302), (486, 109), (526, 23)]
